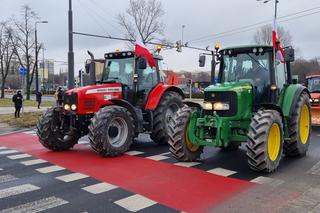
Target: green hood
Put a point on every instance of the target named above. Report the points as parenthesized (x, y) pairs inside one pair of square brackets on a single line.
[(232, 86)]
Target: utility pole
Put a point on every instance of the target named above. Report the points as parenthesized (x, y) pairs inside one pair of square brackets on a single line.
[(36, 51), (182, 34), (70, 53)]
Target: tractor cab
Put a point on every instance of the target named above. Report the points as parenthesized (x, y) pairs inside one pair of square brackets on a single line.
[(313, 84), (135, 76)]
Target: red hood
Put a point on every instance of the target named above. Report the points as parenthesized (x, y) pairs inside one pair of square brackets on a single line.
[(84, 90), (315, 95)]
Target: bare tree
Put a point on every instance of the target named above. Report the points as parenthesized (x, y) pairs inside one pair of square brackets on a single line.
[(142, 20), (264, 35), (6, 53), (25, 44)]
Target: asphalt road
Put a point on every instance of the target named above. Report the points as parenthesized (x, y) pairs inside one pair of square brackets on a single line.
[(149, 179)]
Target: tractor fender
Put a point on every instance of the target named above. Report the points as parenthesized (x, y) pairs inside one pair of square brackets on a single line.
[(291, 97), (131, 109), (155, 95)]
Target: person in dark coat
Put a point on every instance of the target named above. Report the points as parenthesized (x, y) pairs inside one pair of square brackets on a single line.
[(38, 98), (17, 100), (59, 96)]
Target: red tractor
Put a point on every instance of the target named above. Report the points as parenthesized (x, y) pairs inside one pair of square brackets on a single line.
[(130, 99), (313, 84)]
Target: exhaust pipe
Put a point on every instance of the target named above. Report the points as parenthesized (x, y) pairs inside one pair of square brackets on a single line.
[(92, 69)]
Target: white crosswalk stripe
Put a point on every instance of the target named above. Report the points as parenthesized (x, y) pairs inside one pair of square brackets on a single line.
[(134, 153), (315, 170), (8, 152), (3, 147), (36, 206), (187, 164), (50, 169), (135, 203), (17, 190), (158, 157), (1, 169), (71, 177), (222, 172), (7, 178), (267, 180), (31, 132), (20, 156), (166, 153), (99, 188), (83, 142), (33, 162)]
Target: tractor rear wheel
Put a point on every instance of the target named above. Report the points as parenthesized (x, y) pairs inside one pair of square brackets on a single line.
[(168, 105), (52, 135), (265, 141), (111, 131), (299, 128), (179, 142)]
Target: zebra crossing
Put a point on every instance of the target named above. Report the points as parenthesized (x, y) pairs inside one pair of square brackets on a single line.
[(88, 187)]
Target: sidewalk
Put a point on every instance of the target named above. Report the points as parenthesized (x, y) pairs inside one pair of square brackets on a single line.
[(8, 110)]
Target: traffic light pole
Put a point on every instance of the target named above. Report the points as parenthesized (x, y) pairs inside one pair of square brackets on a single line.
[(70, 53)]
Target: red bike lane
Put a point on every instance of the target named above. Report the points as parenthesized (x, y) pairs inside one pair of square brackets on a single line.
[(181, 188)]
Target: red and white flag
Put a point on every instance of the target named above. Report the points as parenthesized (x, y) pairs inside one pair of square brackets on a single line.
[(276, 43), (141, 50)]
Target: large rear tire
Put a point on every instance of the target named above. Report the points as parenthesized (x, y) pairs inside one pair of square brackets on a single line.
[(179, 142), (265, 141), (168, 105), (111, 131), (50, 133), (299, 128)]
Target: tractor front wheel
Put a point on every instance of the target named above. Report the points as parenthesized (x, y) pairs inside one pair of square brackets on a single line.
[(52, 133), (179, 141), (168, 105), (111, 131), (299, 128), (265, 141)]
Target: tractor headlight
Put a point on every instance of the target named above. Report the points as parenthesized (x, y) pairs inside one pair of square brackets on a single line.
[(316, 100), (66, 107), (73, 107), (207, 106), (310, 100), (221, 106)]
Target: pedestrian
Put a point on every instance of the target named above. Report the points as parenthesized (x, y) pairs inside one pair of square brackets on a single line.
[(38, 98), (59, 96), (17, 100)]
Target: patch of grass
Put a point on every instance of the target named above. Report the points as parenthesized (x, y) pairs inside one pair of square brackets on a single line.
[(26, 120), (7, 102)]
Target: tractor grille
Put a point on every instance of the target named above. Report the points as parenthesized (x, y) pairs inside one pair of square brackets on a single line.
[(88, 103), (227, 97), (71, 98)]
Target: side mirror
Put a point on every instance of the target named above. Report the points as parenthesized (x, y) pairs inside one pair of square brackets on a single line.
[(142, 63), (87, 65), (202, 60), (289, 55)]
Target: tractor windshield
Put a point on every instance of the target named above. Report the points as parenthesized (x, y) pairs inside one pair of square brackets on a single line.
[(314, 84), (246, 67), (118, 70)]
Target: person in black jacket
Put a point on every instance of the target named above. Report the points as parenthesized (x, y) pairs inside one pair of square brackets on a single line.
[(17, 100), (38, 98)]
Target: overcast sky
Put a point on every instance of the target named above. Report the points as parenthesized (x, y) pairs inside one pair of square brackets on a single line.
[(202, 18)]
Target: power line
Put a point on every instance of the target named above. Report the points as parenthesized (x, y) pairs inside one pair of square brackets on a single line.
[(205, 38)]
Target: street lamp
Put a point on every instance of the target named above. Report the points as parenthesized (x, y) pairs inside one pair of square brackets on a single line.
[(36, 52)]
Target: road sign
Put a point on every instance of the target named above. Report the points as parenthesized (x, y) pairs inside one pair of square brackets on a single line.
[(23, 71)]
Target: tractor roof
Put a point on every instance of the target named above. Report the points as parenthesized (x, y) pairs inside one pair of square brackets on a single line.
[(126, 54), (247, 46), (313, 76)]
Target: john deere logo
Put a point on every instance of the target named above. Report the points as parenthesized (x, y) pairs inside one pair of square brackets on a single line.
[(213, 95)]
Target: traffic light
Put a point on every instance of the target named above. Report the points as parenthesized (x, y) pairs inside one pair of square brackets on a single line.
[(189, 82), (179, 46)]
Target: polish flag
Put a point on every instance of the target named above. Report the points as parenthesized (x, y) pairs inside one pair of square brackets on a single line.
[(276, 43), (140, 50)]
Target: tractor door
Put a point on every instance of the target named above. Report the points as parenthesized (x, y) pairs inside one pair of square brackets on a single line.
[(280, 77), (148, 79)]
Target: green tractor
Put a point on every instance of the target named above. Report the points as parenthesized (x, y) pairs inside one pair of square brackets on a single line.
[(252, 100)]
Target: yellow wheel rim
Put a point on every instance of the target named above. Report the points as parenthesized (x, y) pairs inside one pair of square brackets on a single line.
[(274, 142), (190, 146), (304, 124)]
